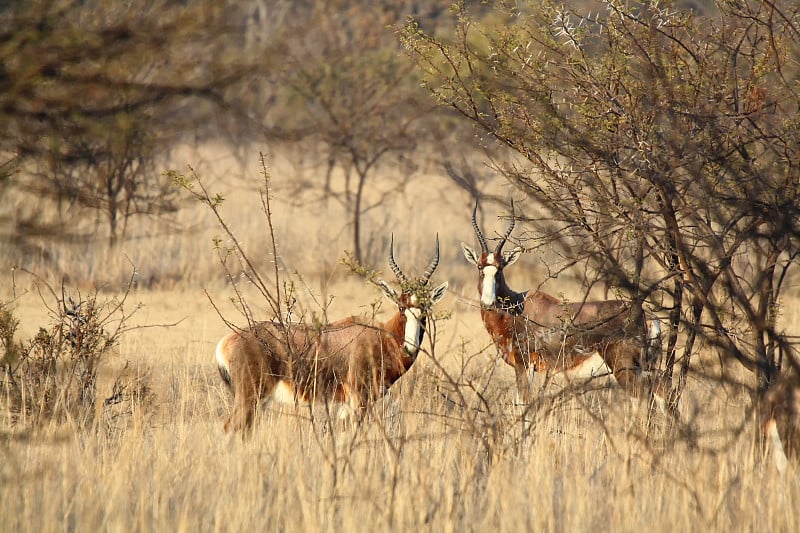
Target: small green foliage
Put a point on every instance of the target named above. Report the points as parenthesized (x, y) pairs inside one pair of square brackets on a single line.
[(216, 200), (192, 184), (419, 289), (178, 179), (359, 269)]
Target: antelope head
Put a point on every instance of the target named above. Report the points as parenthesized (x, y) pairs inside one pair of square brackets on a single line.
[(415, 299), (490, 264)]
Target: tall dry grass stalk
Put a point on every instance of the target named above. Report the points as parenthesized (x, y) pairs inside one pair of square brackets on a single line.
[(417, 463), (444, 451), (427, 457)]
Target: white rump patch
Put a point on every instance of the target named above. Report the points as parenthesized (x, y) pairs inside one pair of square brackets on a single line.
[(284, 393), (592, 367)]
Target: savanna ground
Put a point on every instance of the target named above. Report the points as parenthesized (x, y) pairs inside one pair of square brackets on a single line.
[(445, 450)]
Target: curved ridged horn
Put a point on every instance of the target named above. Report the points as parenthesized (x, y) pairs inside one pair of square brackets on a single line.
[(481, 238), (432, 266), (393, 264), (499, 248)]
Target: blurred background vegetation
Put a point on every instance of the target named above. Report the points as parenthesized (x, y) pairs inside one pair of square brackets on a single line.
[(95, 97)]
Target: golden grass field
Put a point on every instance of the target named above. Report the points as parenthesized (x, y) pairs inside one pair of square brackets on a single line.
[(444, 451)]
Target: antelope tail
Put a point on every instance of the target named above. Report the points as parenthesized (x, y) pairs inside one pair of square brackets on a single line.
[(222, 363)]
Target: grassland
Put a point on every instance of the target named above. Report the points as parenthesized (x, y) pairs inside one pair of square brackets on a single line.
[(444, 451)]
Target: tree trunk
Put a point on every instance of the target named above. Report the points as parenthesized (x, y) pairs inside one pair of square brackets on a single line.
[(362, 179)]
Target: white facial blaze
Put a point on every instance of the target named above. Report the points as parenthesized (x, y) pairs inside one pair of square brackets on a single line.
[(413, 334), (489, 289)]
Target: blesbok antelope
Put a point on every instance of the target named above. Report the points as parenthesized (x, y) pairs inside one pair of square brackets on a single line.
[(534, 331), (779, 414), (351, 362)]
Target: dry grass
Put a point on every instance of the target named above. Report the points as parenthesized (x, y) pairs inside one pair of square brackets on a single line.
[(444, 451)]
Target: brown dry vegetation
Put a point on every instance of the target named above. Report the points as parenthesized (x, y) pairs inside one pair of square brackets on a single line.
[(443, 451)]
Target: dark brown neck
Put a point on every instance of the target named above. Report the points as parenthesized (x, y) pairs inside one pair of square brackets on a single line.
[(507, 299), (396, 328)]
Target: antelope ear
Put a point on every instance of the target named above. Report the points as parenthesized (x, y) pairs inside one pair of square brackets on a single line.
[(388, 291), (470, 254), (509, 258), (438, 293)]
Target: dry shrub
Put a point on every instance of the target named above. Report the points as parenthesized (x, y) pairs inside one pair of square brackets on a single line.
[(53, 377), (130, 394)]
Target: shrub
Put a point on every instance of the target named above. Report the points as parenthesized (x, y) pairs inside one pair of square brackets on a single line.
[(53, 377)]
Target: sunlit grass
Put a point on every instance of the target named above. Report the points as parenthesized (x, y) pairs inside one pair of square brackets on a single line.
[(444, 451)]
